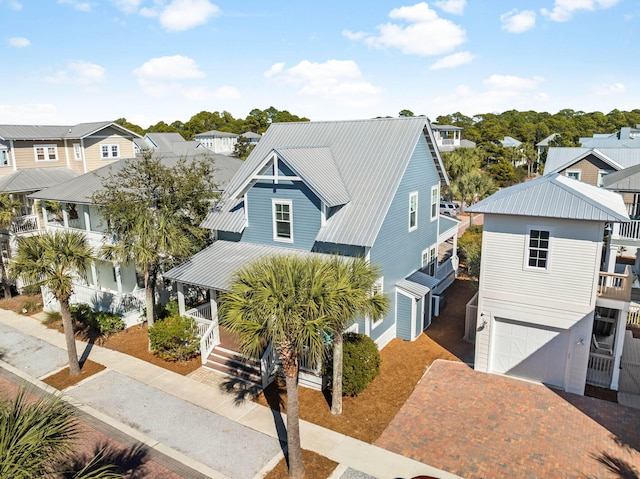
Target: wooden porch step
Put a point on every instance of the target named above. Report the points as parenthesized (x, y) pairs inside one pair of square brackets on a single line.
[(232, 364)]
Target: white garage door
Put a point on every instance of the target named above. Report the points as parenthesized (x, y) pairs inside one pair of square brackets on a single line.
[(530, 352)]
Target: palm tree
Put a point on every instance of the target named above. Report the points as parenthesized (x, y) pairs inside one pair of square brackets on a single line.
[(351, 296), (283, 300), (54, 260), (7, 213), (37, 438), (152, 237)]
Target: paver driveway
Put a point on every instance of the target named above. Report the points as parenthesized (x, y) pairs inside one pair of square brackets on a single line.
[(479, 425)]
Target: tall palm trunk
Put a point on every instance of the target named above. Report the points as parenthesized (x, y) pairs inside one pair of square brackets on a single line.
[(5, 278), (69, 336), (336, 383), (149, 296), (294, 448)]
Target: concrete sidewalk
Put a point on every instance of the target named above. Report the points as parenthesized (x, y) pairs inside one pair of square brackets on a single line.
[(199, 424)]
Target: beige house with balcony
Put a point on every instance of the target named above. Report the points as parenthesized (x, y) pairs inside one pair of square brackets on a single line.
[(549, 307)]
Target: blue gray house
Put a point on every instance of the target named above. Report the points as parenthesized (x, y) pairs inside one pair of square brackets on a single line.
[(366, 188)]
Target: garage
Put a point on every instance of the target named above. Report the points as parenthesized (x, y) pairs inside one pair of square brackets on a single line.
[(530, 351)]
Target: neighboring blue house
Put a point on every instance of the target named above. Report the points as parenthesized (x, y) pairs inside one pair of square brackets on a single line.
[(355, 188)]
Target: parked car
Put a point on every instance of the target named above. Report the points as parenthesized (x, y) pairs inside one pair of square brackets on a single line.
[(449, 209)]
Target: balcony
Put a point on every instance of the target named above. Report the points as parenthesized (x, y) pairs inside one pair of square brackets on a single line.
[(25, 224), (615, 286)]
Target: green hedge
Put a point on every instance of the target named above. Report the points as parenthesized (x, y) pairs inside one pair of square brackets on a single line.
[(175, 338), (100, 322), (360, 363)]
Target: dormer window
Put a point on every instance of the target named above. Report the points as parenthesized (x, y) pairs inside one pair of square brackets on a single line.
[(46, 152), (282, 221)]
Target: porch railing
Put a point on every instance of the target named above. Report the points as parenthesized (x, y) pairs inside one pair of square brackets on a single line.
[(267, 365), (209, 340), (200, 312), (633, 316), (25, 224), (615, 285), (633, 210), (599, 370), (629, 230)]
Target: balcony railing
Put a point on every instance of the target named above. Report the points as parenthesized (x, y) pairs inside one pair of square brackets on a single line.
[(615, 285), (633, 210), (628, 230)]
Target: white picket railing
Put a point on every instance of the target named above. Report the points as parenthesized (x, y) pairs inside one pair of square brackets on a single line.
[(629, 230), (633, 316), (471, 319), (200, 312), (600, 370), (209, 340), (267, 365)]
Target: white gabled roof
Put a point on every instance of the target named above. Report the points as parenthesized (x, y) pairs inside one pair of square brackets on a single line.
[(555, 196)]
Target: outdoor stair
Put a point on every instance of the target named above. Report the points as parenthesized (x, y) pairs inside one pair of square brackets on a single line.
[(235, 365)]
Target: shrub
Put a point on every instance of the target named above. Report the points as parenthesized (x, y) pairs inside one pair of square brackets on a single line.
[(100, 322), (30, 290), (175, 338), (108, 323), (29, 306), (52, 317), (361, 363)]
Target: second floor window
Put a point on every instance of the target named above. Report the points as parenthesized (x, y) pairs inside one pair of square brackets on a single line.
[(110, 151), (77, 152), (4, 157), (282, 221), (413, 211), (46, 152), (538, 249), (435, 194)]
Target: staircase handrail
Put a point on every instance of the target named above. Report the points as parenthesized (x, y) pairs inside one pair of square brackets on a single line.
[(209, 340)]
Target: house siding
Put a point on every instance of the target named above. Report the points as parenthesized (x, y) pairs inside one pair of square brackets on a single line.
[(93, 153), (589, 168), (305, 214), (397, 250), (404, 305), (562, 297)]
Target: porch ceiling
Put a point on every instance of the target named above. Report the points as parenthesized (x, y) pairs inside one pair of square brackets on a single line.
[(214, 266)]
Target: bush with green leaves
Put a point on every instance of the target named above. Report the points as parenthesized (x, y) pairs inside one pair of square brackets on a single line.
[(470, 244), (361, 363), (30, 306), (100, 322), (175, 338)]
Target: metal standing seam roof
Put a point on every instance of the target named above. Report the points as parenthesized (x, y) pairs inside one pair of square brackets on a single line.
[(559, 158), (215, 266), (33, 179), (371, 157), (226, 218), (319, 170), (555, 196), (217, 134), (627, 180), (82, 188), (418, 284), (56, 132)]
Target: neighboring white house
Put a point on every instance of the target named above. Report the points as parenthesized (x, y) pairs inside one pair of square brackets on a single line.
[(627, 137), (545, 310), (449, 137), (220, 142)]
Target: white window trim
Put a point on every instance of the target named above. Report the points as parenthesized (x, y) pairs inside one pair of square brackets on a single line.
[(525, 264), (46, 147), (109, 151), (275, 202), (431, 253), (412, 195), (434, 200), (579, 172), (77, 152), (601, 175), (4, 155), (378, 284), (324, 209)]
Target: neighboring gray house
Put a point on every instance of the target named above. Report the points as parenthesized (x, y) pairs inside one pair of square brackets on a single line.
[(546, 311), (510, 142), (627, 137), (366, 188), (221, 142), (109, 285)]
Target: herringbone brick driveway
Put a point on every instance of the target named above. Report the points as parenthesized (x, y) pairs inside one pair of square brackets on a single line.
[(486, 426)]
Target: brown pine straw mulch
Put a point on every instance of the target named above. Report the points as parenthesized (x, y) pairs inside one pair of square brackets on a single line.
[(62, 380), (315, 465)]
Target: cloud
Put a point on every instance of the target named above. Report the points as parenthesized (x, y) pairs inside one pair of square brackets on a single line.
[(452, 61), (12, 4), (512, 83), (171, 76), (176, 67), (78, 73), (335, 80), (28, 113), (515, 21), (127, 6), (181, 15), (455, 7), (418, 31), (609, 89), (81, 6), (19, 42), (563, 10)]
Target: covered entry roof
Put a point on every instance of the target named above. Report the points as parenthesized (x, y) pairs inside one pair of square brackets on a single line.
[(418, 284), (214, 266)]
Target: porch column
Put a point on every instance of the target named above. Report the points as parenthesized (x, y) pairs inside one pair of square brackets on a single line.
[(116, 270), (45, 218), (610, 258), (180, 289), (213, 300), (87, 225), (621, 326), (65, 216), (615, 231), (94, 274), (455, 262)]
